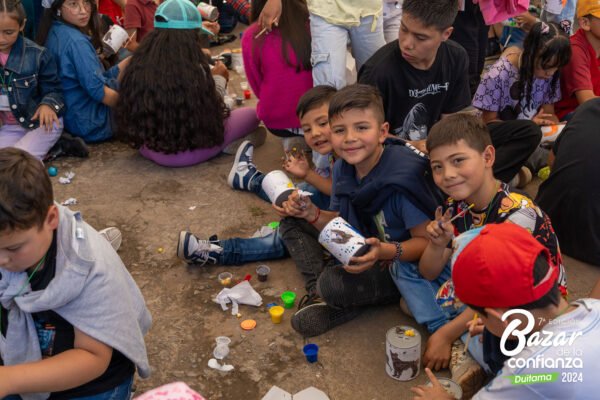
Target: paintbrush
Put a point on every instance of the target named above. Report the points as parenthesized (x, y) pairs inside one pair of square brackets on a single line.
[(475, 316), (460, 214), (259, 34)]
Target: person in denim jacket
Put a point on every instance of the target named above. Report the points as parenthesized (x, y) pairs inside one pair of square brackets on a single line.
[(31, 99), (70, 31)]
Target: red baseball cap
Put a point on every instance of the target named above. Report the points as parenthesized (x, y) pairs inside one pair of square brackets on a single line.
[(495, 269)]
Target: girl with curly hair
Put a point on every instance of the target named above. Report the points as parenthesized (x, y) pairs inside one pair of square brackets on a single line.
[(279, 60), (71, 31), (171, 104)]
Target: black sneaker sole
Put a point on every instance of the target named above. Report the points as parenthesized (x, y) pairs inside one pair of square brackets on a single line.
[(318, 318)]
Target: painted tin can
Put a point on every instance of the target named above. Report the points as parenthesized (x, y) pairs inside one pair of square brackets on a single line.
[(208, 12), (451, 387), (342, 240), (403, 353)]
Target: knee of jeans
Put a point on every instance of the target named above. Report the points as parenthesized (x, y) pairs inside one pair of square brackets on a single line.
[(286, 225), (324, 72), (330, 288), (404, 269)]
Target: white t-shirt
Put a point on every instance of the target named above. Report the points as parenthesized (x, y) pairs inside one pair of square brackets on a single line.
[(577, 365)]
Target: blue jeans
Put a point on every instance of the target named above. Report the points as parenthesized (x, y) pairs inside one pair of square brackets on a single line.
[(238, 251), (121, 392), (329, 42), (319, 199), (420, 294)]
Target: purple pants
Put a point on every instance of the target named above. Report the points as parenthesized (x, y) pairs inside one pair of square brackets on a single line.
[(240, 123), (36, 142)]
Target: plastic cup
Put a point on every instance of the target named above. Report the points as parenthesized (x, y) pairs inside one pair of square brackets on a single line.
[(225, 278), (276, 313), (311, 352), (244, 85), (262, 271), (288, 299)]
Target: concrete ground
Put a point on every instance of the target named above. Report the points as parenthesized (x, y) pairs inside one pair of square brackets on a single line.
[(151, 204)]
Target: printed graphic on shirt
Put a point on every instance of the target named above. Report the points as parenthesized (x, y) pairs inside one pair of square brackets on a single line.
[(431, 89), (415, 124), (46, 335)]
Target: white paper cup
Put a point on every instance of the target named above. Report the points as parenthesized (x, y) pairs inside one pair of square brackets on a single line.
[(114, 39), (342, 240), (278, 187), (208, 12)]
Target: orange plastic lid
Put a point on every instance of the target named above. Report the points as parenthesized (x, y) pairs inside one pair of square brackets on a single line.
[(248, 324)]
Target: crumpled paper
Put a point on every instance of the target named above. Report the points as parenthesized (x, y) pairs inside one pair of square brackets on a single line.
[(242, 293)]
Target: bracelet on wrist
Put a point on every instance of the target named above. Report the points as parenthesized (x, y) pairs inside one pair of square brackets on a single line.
[(318, 214), (399, 251)]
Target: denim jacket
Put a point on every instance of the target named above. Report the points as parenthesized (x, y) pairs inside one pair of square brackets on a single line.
[(32, 78)]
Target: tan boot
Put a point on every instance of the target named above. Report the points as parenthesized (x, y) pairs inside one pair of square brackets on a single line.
[(465, 370)]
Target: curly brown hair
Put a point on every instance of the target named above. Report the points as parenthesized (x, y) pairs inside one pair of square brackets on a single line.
[(168, 99)]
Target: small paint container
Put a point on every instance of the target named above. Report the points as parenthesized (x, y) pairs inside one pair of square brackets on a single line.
[(403, 353), (262, 271), (247, 94), (288, 299), (225, 278), (276, 313), (311, 352), (451, 387), (239, 100)]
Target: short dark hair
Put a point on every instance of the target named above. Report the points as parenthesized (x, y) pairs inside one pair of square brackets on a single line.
[(437, 13), (461, 126), (357, 96), (540, 270), (25, 190), (314, 98)]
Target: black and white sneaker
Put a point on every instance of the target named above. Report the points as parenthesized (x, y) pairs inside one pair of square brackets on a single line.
[(195, 251)]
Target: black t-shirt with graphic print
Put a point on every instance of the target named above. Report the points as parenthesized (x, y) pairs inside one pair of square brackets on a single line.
[(415, 99), (57, 335)]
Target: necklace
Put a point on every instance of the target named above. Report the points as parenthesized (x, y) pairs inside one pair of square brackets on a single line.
[(39, 264), (487, 212)]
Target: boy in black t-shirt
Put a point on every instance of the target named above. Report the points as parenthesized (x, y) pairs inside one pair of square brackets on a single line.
[(72, 319), (462, 156), (423, 77)]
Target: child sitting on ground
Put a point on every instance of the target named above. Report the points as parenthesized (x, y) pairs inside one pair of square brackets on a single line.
[(171, 103), (462, 158), (382, 191), (278, 66), (71, 32), (72, 318), (31, 98), (509, 278), (580, 79), (312, 110), (524, 84)]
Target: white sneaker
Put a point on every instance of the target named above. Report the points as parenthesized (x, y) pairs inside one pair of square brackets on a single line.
[(113, 235)]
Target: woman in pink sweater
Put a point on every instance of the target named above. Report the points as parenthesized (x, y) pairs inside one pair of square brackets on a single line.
[(278, 66)]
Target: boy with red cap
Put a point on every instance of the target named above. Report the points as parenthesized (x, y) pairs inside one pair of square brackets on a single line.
[(580, 79), (462, 157), (557, 347)]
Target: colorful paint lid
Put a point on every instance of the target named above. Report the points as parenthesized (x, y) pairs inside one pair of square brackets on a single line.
[(248, 324)]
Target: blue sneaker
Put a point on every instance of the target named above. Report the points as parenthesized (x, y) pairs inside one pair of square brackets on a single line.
[(194, 251), (243, 169)]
